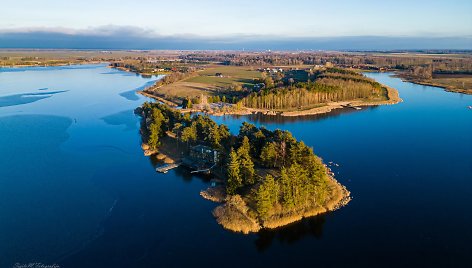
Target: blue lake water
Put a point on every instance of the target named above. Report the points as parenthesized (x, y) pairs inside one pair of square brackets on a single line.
[(76, 190)]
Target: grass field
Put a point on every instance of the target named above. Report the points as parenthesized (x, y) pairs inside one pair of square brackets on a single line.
[(459, 83), (231, 75), (187, 89), (207, 83)]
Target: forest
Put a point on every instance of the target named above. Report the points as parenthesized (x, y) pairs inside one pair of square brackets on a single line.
[(330, 85), (439, 61), (273, 172), (297, 177)]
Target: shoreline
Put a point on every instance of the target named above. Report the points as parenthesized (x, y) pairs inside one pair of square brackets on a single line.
[(416, 81), (166, 153), (237, 212), (392, 95), (52, 65), (169, 103), (246, 224), (124, 69)]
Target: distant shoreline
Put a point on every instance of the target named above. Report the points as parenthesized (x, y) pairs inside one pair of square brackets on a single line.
[(51, 65), (418, 81)]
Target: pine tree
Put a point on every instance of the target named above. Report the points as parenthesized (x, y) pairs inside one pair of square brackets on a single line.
[(263, 202), (273, 188), (187, 103), (247, 170), (247, 166), (286, 189), (189, 134), (214, 136), (269, 154), (158, 118), (153, 140), (233, 171), (245, 146), (224, 134)]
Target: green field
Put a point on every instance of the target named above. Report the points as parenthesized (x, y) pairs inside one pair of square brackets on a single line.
[(231, 75)]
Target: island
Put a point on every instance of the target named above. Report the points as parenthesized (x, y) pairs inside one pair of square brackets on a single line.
[(264, 178)]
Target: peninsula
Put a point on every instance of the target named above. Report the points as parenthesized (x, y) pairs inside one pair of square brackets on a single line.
[(267, 178), (285, 91)]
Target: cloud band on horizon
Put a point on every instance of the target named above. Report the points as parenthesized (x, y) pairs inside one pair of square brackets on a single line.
[(131, 37)]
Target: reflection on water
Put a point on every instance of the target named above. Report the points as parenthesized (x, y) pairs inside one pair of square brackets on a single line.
[(265, 119), (125, 118), (235, 121), (291, 233)]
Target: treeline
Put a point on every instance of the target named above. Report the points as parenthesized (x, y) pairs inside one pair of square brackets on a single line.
[(361, 60), (200, 129), (154, 66), (329, 86)]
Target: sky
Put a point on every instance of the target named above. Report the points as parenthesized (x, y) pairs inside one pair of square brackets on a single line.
[(241, 21)]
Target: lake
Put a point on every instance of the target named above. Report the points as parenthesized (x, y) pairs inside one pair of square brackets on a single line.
[(76, 190)]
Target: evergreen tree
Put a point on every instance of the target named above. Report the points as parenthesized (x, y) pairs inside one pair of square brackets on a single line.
[(269, 154), (273, 188), (224, 134), (233, 172), (158, 118), (154, 132), (245, 147), (189, 134), (263, 201), (286, 189), (247, 166), (187, 103), (294, 172), (214, 136), (247, 129), (247, 171)]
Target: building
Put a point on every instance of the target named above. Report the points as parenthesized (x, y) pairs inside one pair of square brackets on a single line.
[(204, 153), (201, 157)]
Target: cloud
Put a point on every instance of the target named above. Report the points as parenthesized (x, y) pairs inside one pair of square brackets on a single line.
[(130, 37), (105, 30)]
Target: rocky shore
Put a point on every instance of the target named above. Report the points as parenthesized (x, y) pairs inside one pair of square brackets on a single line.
[(163, 154)]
